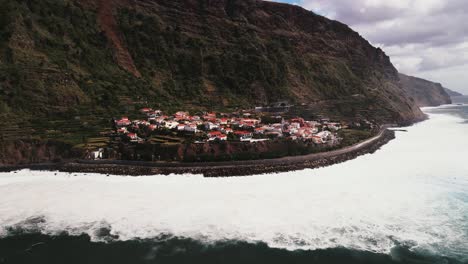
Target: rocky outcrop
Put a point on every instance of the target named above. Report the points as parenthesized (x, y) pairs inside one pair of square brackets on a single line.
[(36, 151), (108, 24), (424, 92)]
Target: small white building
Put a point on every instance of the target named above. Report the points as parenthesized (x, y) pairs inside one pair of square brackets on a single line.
[(180, 127), (211, 126), (322, 137), (171, 124), (98, 154), (191, 128)]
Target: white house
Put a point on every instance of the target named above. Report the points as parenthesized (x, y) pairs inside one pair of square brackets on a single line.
[(211, 126), (191, 128), (324, 136), (171, 124), (180, 127), (98, 154), (216, 135)]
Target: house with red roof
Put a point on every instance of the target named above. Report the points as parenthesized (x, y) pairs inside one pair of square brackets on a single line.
[(213, 135), (243, 135), (227, 130), (180, 127), (192, 128), (260, 130), (124, 121), (132, 136)]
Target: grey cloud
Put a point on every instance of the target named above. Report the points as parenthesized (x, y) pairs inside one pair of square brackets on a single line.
[(426, 37), (441, 25), (436, 30)]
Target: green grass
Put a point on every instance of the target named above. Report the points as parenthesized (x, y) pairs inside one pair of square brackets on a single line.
[(354, 136)]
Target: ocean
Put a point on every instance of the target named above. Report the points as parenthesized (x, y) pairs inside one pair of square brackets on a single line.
[(406, 203), (460, 99)]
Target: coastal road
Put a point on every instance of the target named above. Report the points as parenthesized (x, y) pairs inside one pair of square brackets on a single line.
[(226, 168), (218, 169)]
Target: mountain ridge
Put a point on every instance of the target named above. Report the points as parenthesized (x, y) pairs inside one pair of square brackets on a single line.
[(87, 61), (452, 93)]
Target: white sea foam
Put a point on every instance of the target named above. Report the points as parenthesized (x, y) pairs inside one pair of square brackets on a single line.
[(414, 190)]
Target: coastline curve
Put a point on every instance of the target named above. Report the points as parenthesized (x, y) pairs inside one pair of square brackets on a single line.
[(218, 169)]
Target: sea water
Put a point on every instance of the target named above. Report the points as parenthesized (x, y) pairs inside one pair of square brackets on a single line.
[(406, 203)]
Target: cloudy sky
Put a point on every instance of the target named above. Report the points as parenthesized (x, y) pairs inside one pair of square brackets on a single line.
[(425, 38)]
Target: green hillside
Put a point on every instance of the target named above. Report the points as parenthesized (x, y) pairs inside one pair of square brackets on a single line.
[(68, 66)]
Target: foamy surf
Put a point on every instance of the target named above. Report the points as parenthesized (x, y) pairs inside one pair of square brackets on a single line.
[(413, 191)]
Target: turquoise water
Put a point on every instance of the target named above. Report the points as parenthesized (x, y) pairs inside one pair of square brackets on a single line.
[(406, 203)]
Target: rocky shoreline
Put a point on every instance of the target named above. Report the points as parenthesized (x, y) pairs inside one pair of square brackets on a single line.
[(217, 169)]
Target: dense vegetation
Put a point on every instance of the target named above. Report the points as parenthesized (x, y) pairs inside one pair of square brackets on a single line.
[(61, 78)]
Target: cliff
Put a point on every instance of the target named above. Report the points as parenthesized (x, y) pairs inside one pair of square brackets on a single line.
[(452, 93), (424, 92), (68, 58)]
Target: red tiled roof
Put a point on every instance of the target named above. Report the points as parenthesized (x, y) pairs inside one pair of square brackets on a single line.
[(242, 132), (215, 133)]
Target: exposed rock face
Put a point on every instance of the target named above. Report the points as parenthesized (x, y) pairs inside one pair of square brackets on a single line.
[(192, 54), (34, 151), (424, 92), (108, 24)]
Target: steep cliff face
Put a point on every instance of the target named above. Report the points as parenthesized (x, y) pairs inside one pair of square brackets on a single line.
[(80, 56), (424, 92), (452, 93), (256, 52)]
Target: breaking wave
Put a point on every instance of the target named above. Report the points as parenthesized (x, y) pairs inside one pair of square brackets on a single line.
[(407, 203)]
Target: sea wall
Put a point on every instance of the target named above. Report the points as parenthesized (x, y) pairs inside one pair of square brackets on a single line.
[(220, 151), (220, 169)]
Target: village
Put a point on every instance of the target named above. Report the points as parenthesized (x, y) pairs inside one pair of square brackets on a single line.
[(243, 126)]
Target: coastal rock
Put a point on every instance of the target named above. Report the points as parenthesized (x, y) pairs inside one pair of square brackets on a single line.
[(36, 151)]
